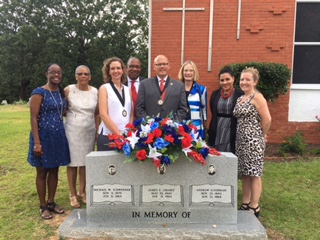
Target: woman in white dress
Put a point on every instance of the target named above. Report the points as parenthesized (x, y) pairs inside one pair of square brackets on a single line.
[(82, 121), (115, 102)]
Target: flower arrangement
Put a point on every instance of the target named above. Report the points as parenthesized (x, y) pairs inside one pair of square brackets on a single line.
[(162, 140)]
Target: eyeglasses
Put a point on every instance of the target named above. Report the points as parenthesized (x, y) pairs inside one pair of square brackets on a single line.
[(55, 73), (161, 64), (135, 66), (85, 74)]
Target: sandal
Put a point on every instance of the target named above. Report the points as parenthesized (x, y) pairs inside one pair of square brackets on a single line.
[(244, 206), (256, 210), (53, 207), (74, 202), (83, 197), (42, 213)]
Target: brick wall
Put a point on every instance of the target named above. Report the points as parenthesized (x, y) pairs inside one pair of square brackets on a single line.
[(266, 35)]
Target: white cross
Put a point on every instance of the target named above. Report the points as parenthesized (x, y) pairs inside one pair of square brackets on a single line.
[(183, 9)]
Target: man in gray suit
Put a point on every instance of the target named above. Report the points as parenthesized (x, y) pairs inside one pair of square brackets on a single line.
[(161, 95)]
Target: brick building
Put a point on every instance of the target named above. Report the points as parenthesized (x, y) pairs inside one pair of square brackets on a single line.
[(214, 33)]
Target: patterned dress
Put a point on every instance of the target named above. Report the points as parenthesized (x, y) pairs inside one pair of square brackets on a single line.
[(51, 132), (250, 142), (80, 123)]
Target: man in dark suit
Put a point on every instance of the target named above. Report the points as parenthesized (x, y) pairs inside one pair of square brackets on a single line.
[(161, 95), (133, 79)]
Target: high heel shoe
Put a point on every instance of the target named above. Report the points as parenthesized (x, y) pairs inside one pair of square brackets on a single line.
[(256, 210), (82, 197), (244, 206), (74, 202)]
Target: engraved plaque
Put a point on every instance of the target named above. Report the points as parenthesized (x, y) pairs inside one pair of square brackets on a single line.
[(112, 193), (161, 193), (211, 193)]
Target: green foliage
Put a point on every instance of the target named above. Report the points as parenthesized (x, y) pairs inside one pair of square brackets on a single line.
[(294, 144), (69, 33), (274, 77), (316, 151)]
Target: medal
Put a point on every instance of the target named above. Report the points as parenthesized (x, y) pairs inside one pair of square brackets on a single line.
[(160, 102), (124, 113)]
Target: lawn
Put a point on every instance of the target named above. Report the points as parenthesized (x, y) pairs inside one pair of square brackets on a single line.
[(290, 206)]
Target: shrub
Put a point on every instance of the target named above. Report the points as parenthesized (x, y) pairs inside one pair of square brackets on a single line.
[(274, 77), (294, 144)]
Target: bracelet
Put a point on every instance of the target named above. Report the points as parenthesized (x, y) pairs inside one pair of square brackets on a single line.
[(37, 147)]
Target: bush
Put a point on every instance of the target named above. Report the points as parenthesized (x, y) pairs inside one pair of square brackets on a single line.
[(294, 144), (274, 77)]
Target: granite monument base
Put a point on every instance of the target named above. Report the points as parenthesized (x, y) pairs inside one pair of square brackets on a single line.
[(77, 227)]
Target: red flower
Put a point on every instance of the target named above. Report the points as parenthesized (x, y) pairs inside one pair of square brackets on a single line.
[(164, 122), (150, 138), (157, 163), (181, 129), (157, 133), (141, 155), (197, 157), (169, 138), (186, 142), (113, 136), (214, 151), (193, 127), (130, 126)]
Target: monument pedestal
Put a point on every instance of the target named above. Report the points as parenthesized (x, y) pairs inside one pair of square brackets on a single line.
[(77, 227), (183, 201)]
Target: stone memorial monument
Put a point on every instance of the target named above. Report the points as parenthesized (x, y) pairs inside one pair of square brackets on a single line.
[(182, 201)]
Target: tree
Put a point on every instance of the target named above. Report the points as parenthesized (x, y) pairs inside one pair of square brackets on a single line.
[(70, 33)]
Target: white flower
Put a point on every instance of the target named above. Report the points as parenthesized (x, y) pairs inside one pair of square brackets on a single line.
[(145, 128), (133, 139), (153, 153), (186, 150)]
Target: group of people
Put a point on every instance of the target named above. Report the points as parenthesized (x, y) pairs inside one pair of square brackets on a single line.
[(239, 124)]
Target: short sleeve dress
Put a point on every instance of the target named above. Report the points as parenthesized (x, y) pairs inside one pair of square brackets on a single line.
[(250, 142), (80, 123), (51, 132)]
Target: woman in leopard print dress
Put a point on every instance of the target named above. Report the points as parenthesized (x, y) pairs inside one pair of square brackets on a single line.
[(253, 124)]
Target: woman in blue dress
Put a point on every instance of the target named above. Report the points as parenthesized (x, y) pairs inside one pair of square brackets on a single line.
[(48, 148)]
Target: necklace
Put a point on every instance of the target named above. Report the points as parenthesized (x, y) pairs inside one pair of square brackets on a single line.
[(225, 96), (57, 105)]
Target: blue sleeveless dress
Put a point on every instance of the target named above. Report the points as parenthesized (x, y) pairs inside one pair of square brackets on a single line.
[(51, 132)]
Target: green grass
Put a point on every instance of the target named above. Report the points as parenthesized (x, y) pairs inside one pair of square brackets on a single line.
[(290, 205)]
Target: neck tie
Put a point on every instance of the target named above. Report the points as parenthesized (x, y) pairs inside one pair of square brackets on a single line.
[(162, 83), (134, 96)]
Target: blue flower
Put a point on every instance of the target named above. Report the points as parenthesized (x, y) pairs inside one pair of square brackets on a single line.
[(204, 152), (165, 160), (160, 143), (127, 149), (154, 126)]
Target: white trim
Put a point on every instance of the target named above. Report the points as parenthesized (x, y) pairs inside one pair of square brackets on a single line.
[(297, 86), (307, 43), (210, 35)]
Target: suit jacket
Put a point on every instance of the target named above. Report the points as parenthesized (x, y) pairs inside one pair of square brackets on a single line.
[(140, 79), (149, 95)]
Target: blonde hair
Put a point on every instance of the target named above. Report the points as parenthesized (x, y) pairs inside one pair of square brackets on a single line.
[(195, 69), (106, 68), (254, 72)]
